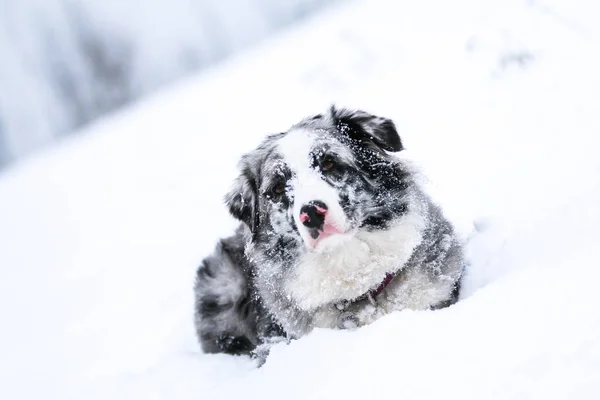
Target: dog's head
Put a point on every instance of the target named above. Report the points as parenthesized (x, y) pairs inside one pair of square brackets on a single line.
[(329, 174), (327, 179)]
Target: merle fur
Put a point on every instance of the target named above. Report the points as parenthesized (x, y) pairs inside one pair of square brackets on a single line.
[(237, 308), (229, 314)]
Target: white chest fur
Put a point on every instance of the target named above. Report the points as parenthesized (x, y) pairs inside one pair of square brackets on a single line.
[(345, 267)]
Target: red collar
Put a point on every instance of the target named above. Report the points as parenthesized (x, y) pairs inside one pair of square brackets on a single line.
[(386, 281)]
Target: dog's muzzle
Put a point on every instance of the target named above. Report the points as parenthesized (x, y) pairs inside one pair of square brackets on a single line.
[(318, 222)]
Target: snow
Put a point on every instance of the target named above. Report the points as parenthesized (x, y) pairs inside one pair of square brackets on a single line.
[(65, 62), (100, 235)]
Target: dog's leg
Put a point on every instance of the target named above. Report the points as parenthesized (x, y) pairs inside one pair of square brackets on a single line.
[(262, 351), (347, 320), (226, 313)]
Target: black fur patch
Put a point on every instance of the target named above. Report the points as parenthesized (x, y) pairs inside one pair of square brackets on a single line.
[(361, 126)]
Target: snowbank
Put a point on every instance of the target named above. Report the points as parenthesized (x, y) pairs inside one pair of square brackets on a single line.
[(497, 101)]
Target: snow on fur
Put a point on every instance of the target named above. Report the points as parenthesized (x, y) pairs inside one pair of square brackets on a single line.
[(496, 101)]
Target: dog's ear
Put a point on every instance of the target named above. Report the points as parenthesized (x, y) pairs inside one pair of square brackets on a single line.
[(242, 198), (361, 125)]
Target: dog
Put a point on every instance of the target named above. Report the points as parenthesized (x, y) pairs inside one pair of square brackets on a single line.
[(336, 231)]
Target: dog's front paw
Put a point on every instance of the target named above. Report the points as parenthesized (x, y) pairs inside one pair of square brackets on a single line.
[(261, 352), (347, 320)]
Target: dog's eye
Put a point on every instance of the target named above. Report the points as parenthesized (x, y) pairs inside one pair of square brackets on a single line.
[(279, 188), (328, 163), (276, 191)]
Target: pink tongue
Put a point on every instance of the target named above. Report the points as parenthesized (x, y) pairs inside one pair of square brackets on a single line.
[(328, 230), (331, 229)]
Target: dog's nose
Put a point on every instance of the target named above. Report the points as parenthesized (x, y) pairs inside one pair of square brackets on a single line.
[(312, 215)]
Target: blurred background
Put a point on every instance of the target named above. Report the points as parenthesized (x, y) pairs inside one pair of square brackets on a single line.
[(66, 62), (121, 124)]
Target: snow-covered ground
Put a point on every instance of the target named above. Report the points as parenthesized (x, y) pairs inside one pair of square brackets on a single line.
[(498, 102)]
